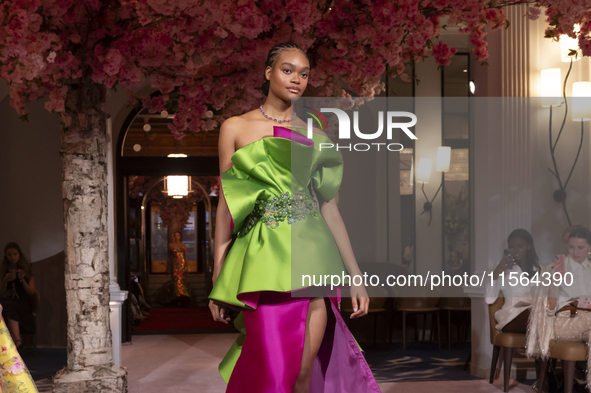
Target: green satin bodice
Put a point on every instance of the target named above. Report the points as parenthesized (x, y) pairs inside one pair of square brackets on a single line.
[(274, 259)]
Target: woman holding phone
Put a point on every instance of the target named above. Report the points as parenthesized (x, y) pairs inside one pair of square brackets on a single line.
[(571, 322), (521, 257)]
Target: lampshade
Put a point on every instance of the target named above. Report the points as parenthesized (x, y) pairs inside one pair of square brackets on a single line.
[(550, 87), (581, 101), (568, 44), (443, 158), (424, 170), (177, 186)]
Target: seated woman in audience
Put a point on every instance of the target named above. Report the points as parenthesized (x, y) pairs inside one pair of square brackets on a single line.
[(566, 234), (556, 314), (16, 292), (572, 323), (513, 316)]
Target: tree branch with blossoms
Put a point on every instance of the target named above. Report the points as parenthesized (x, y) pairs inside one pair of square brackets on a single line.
[(211, 53)]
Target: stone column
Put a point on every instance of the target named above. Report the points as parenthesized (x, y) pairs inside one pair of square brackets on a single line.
[(90, 357)]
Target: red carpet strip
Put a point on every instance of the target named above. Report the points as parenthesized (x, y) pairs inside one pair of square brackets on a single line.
[(179, 320)]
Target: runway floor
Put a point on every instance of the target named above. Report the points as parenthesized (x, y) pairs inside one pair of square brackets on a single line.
[(188, 363)]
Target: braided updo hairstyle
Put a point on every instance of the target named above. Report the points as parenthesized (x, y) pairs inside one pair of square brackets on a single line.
[(272, 57)]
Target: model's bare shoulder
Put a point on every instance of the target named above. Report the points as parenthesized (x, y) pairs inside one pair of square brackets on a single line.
[(231, 124)]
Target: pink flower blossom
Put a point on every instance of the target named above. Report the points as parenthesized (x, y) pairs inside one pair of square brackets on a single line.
[(211, 53), (533, 13)]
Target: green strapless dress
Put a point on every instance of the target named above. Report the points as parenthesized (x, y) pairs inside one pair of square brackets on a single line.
[(280, 237)]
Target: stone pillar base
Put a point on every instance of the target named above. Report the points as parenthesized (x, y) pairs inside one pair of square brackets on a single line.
[(100, 379)]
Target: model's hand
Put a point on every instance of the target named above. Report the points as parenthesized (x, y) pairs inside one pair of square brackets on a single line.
[(552, 303), (218, 313), (10, 276), (360, 301), (21, 274)]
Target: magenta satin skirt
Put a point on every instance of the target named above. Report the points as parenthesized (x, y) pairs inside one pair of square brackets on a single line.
[(271, 354)]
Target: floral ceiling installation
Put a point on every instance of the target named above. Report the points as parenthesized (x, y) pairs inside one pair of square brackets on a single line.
[(209, 54)]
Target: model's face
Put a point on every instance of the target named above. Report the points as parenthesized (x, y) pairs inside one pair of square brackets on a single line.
[(578, 249), (520, 248), (177, 237), (289, 74), (12, 255)]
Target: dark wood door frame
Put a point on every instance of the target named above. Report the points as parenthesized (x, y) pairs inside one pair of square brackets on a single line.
[(144, 166)]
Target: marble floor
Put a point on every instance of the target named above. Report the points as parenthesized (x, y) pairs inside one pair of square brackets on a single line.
[(188, 363)]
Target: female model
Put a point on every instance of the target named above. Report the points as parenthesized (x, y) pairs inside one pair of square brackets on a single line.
[(287, 344)]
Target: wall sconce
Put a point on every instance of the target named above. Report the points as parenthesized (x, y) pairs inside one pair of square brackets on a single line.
[(581, 102), (177, 186), (550, 87), (550, 80), (424, 173)]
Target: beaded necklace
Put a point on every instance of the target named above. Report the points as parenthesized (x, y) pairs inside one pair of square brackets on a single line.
[(278, 121)]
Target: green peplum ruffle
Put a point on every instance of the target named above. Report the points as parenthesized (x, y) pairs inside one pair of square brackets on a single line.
[(274, 259)]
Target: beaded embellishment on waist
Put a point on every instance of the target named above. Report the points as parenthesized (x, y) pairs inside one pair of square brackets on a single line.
[(280, 208)]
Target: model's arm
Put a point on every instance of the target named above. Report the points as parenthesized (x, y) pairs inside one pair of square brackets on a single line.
[(223, 220), (223, 236), (332, 216)]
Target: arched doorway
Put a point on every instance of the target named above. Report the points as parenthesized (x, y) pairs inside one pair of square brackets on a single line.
[(146, 154)]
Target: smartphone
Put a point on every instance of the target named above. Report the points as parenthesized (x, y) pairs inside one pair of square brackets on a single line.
[(509, 258), (559, 264)]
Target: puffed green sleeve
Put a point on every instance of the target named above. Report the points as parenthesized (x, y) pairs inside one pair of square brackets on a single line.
[(327, 174)]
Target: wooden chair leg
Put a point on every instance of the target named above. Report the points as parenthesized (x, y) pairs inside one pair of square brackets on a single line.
[(438, 331), (424, 325), (386, 324), (493, 364), (569, 375), (543, 369), (403, 330), (507, 367), (448, 329)]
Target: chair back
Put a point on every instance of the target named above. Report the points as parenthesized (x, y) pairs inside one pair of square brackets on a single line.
[(377, 297), (492, 309), (454, 302), (417, 303)]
